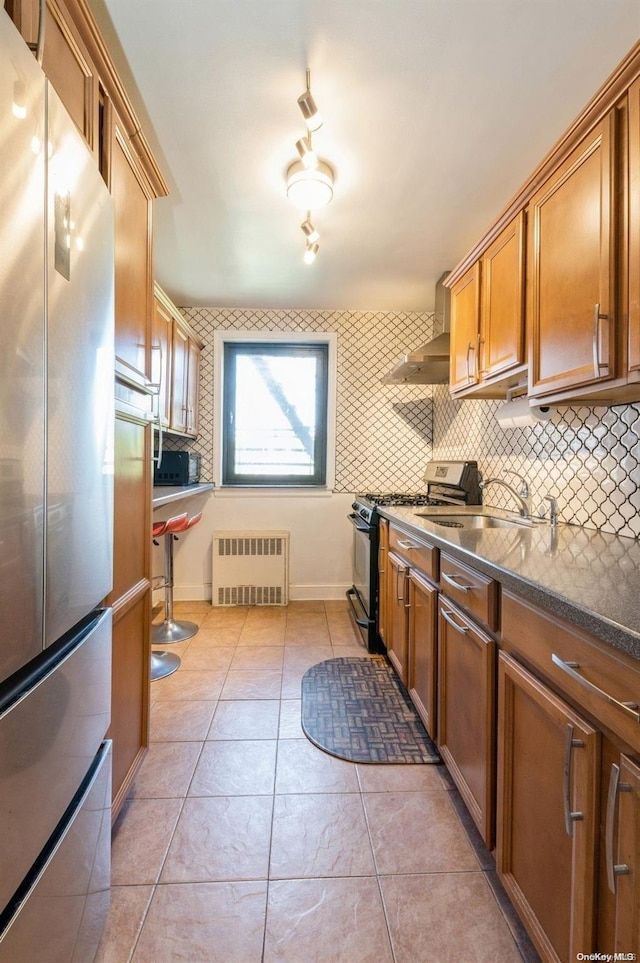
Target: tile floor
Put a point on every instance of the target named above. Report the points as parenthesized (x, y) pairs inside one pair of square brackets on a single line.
[(242, 842)]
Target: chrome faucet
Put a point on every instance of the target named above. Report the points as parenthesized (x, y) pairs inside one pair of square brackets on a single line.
[(553, 510), (523, 497)]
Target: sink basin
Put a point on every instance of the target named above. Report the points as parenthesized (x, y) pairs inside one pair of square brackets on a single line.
[(474, 521)]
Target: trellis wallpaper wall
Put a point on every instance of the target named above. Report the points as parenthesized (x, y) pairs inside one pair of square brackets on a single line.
[(587, 458), (383, 432)]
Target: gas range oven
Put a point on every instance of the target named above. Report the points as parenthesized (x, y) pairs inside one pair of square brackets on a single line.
[(448, 483)]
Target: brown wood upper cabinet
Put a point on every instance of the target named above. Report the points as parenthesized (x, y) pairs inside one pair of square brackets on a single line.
[(634, 230), (487, 318), (179, 348), (572, 269)]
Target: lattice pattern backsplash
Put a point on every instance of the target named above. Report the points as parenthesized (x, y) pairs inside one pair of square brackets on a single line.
[(383, 432), (588, 458)]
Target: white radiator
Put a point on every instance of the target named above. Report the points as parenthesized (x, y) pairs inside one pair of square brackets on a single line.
[(250, 568)]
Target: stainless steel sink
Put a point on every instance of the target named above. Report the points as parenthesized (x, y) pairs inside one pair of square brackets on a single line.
[(474, 521)]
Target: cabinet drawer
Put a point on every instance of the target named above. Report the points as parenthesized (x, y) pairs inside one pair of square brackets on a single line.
[(418, 553), (596, 678), (474, 592)]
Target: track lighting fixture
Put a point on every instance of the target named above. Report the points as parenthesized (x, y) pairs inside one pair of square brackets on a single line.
[(308, 108), (309, 179), (309, 231), (307, 154), (310, 253)]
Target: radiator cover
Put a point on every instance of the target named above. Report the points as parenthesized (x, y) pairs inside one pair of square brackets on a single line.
[(250, 568)]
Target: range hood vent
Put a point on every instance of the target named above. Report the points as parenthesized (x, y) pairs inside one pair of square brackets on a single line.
[(428, 364)]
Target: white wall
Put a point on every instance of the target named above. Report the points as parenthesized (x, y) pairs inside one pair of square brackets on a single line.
[(320, 543)]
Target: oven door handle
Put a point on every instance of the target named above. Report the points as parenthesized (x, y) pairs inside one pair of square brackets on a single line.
[(362, 622), (353, 518)]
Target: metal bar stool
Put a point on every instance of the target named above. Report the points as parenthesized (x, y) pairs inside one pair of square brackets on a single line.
[(164, 663), (164, 633)]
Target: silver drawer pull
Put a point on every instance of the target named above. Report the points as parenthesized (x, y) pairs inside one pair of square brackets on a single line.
[(629, 708), (613, 869), (597, 318), (448, 617), (453, 580), (406, 544), (569, 816)]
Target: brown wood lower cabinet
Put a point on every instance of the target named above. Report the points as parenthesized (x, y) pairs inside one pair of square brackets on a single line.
[(547, 808), (466, 712), (397, 615), (383, 551), (422, 654)]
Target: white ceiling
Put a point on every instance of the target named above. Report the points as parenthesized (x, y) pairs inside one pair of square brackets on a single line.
[(436, 111)]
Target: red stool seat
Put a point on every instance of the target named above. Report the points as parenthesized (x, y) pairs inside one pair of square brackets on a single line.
[(168, 631)]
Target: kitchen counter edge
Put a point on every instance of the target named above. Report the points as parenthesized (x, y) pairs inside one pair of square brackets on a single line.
[(165, 494), (561, 580)]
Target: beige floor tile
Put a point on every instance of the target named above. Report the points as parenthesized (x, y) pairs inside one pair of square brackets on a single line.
[(191, 685), (204, 923), (166, 770), (141, 838), (204, 657), (320, 835), (220, 838), (290, 715), (129, 905), (400, 778), (305, 606), (193, 606), (342, 630), (356, 650), (237, 768), (246, 719), (446, 918), (303, 768), (304, 656), (326, 921), (252, 684), (258, 657), (417, 832), (226, 616), (262, 633), (180, 721), (292, 683), (224, 635), (305, 629)]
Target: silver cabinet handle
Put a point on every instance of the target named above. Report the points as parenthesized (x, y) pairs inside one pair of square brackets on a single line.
[(597, 318), (469, 350), (406, 544), (448, 617), (400, 598), (629, 708), (452, 580), (569, 816), (621, 869), (157, 388)]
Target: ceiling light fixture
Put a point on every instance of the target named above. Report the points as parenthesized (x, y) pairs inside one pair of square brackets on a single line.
[(309, 188), (309, 179), (310, 253), (307, 154), (308, 108), (309, 231)]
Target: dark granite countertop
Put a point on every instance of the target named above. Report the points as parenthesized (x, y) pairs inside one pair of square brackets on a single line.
[(590, 578)]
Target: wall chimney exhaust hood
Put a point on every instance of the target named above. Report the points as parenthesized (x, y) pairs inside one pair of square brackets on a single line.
[(428, 364)]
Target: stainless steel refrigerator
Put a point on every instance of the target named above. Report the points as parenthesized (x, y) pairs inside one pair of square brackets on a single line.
[(56, 522)]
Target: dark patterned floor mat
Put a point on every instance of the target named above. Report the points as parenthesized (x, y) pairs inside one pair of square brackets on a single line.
[(356, 709)]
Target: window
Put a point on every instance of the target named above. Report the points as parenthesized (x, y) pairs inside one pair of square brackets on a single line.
[(275, 412)]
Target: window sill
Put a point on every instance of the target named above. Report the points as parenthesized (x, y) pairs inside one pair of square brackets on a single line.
[(270, 491)]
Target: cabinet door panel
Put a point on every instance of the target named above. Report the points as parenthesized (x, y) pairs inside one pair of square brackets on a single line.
[(193, 386), (68, 68), (397, 634), (423, 607), (383, 578), (466, 713), (132, 261), (634, 226), (548, 874), (502, 327), (572, 269), (465, 325), (179, 376), (161, 359)]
